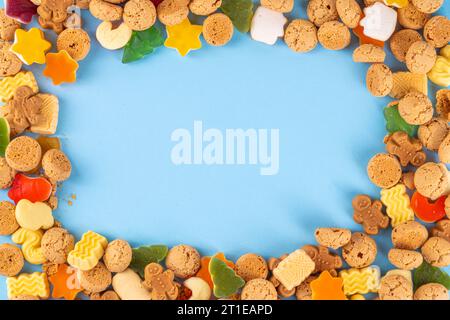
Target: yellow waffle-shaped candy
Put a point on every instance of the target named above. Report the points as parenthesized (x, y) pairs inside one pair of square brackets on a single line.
[(397, 204), (33, 284), (360, 281), (49, 115), (9, 85), (405, 82), (31, 244), (88, 251), (295, 268)]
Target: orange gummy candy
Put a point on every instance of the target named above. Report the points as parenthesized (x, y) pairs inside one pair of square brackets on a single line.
[(60, 67), (204, 274), (363, 39), (326, 287), (65, 283)]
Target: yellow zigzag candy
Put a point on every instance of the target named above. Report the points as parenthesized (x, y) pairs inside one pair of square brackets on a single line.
[(9, 84), (360, 281), (88, 251), (397, 204), (31, 244), (34, 284)]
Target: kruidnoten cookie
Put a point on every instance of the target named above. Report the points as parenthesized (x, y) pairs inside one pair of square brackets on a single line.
[(11, 260), (433, 133), (183, 260), (420, 57), (259, 289), (283, 6), (117, 255), (204, 7), (431, 291), (56, 245), (384, 170), (8, 222), (139, 15), (436, 251), (405, 259), (379, 80), (172, 12), (56, 165), (96, 280), (251, 266), (410, 235), (349, 11), (427, 6), (437, 31), (105, 11), (401, 41), (334, 238), (301, 35), (395, 287), (7, 174), (415, 108), (361, 251), (217, 29), (411, 18), (432, 180), (334, 35), (76, 42), (369, 53), (23, 154)]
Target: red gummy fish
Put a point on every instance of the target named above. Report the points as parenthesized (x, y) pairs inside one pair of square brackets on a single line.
[(32, 189), (21, 10)]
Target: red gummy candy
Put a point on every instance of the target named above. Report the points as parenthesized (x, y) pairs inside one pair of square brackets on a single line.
[(32, 189), (427, 210), (21, 10), (156, 2)]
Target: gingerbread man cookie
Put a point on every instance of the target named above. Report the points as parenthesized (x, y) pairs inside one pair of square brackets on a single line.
[(160, 283), (370, 214), (408, 150), (323, 259)]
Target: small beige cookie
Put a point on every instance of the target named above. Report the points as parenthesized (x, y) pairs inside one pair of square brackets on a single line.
[(321, 11), (259, 289), (251, 266), (23, 154), (8, 222), (172, 12), (105, 11), (139, 15), (415, 108), (11, 260), (395, 287), (361, 251), (8, 26), (404, 82), (405, 259), (379, 80), (334, 238), (334, 35), (431, 291), (443, 103), (56, 165), (350, 12), (7, 174), (420, 57), (96, 280), (301, 35), (283, 6), (56, 245), (427, 6), (183, 260), (442, 227), (401, 41), (384, 170), (204, 7), (433, 133), (432, 180), (117, 255), (10, 64), (436, 251), (411, 18), (218, 29), (369, 53), (437, 31), (76, 42), (409, 235)]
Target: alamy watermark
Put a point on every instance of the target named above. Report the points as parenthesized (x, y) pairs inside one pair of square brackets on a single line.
[(200, 146)]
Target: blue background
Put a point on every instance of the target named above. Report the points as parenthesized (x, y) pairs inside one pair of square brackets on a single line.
[(115, 124)]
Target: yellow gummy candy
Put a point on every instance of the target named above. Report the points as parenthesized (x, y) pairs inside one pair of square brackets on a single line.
[(88, 251), (396, 3), (184, 37), (360, 281), (34, 284), (31, 244), (9, 85), (440, 73), (397, 204), (30, 46)]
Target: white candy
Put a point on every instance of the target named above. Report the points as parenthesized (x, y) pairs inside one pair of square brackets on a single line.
[(379, 21), (128, 286), (199, 287), (267, 25)]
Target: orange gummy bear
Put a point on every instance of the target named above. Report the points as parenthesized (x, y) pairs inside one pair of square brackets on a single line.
[(363, 39), (65, 283), (204, 274), (326, 287), (60, 67)]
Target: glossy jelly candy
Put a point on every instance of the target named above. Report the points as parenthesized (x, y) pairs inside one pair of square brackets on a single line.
[(396, 3), (240, 12), (204, 274), (379, 21), (326, 287), (394, 122), (427, 210), (21, 10), (60, 68), (142, 43), (65, 283), (426, 273), (363, 39), (144, 255), (184, 37), (267, 25), (225, 280), (30, 46), (4, 136), (48, 143), (32, 189), (440, 73)]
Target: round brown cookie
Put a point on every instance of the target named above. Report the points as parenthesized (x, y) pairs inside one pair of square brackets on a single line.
[(105, 11), (349, 11), (409, 235), (10, 64), (379, 80), (436, 251), (23, 154), (7, 174), (96, 280), (415, 108), (259, 289), (401, 41), (56, 165), (433, 133), (427, 6), (204, 7), (107, 295), (395, 287), (117, 255), (405, 259), (56, 245), (334, 35), (432, 180), (76, 42), (321, 11), (251, 266), (431, 291), (172, 12), (301, 35), (218, 29), (183, 260), (8, 26), (361, 251), (437, 31), (304, 291), (283, 6), (334, 238), (369, 53), (139, 15), (420, 57), (11, 260), (384, 170), (411, 18), (8, 222), (442, 227)]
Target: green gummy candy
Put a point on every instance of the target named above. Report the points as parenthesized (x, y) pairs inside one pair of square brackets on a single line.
[(144, 255), (240, 12), (394, 122), (142, 43), (426, 273), (4, 136), (225, 280)]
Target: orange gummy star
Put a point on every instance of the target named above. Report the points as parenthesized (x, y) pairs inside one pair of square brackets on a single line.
[(184, 37), (61, 67), (363, 39), (204, 269), (30, 46), (65, 283), (326, 287)]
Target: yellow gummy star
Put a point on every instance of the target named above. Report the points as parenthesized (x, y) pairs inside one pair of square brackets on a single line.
[(30, 46), (184, 37)]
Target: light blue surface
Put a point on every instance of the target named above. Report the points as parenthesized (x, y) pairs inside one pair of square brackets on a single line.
[(115, 125)]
